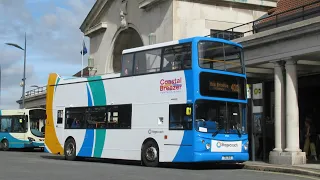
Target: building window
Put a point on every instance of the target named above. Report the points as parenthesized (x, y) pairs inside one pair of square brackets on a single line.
[(177, 57), (147, 61), (178, 118), (228, 35)]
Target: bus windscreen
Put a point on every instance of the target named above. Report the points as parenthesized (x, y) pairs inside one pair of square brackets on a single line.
[(220, 56), (222, 86), (37, 122)]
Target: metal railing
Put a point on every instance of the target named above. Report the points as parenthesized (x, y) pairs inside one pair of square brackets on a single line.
[(273, 21), (36, 91)]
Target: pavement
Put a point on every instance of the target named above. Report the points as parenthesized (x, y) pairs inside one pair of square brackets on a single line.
[(39, 166), (305, 169)]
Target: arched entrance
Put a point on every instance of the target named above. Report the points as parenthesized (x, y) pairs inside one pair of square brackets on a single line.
[(126, 39)]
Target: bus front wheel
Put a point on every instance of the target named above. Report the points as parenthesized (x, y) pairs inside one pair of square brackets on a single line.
[(70, 149), (5, 145), (150, 154)]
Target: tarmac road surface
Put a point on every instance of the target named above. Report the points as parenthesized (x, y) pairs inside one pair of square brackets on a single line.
[(18, 165)]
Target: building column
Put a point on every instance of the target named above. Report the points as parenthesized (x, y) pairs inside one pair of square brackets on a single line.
[(279, 123), (289, 124), (292, 109), (279, 114)]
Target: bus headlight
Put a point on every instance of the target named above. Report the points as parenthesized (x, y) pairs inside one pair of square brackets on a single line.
[(208, 146), (246, 145), (31, 139)]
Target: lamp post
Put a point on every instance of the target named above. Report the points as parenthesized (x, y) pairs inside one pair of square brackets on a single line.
[(24, 66), (152, 38), (91, 66)]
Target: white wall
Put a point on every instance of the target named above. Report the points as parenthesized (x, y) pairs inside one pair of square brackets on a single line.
[(196, 19), (169, 20), (158, 20)]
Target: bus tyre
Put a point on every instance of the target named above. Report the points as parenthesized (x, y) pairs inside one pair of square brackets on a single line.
[(150, 154), (70, 150), (5, 145)]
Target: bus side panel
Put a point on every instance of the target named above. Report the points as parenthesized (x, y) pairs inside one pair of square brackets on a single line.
[(52, 143), (74, 95), (83, 138), (15, 140), (178, 146), (18, 140), (115, 92), (146, 123)]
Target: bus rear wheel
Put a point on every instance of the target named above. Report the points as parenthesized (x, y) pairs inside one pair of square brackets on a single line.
[(70, 149), (5, 145), (150, 154)]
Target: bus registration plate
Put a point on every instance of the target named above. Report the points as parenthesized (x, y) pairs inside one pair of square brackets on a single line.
[(227, 157)]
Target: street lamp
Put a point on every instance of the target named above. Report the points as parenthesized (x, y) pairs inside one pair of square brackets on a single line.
[(24, 66)]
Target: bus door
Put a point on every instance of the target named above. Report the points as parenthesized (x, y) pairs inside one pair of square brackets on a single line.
[(17, 129), (60, 122)]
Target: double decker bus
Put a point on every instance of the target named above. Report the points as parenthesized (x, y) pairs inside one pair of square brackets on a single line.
[(178, 101), (22, 128)]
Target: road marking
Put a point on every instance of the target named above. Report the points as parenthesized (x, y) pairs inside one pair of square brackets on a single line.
[(288, 174)]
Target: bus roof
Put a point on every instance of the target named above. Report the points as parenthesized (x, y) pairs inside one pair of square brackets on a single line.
[(180, 41), (20, 110), (71, 80), (16, 111)]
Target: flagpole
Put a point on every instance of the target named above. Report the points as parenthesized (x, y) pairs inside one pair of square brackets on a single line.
[(82, 56)]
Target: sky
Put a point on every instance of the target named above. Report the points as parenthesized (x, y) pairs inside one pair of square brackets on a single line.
[(54, 42)]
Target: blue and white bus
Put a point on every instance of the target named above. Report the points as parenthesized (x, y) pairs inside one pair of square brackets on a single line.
[(22, 128), (178, 101)]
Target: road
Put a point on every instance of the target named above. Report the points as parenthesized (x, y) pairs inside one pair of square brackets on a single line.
[(43, 166)]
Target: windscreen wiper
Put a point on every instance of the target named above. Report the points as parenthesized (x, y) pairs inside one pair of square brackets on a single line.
[(215, 133), (239, 134)]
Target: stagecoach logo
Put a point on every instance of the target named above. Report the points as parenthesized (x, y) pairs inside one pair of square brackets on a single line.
[(221, 144), (154, 132), (170, 85)]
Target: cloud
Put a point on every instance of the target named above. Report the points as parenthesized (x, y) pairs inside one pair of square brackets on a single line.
[(53, 42)]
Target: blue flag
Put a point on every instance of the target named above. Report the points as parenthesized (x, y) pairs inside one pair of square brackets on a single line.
[(84, 49)]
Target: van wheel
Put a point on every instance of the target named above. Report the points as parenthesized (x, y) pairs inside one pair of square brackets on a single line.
[(5, 145), (150, 154), (70, 149)]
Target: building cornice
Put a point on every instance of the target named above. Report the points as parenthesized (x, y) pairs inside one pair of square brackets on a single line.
[(92, 15), (96, 28), (100, 5), (144, 4), (265, 3)]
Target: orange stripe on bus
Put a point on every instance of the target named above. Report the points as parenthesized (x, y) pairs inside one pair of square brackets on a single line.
[(51, 139)]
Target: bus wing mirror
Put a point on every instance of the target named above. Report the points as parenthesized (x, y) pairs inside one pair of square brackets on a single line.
[(188, 111)]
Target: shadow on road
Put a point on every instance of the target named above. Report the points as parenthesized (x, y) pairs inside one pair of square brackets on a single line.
[(188, 166), (24, 150)]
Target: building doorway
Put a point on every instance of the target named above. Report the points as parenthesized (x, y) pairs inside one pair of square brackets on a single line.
[(126, 39), (309, 106)]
